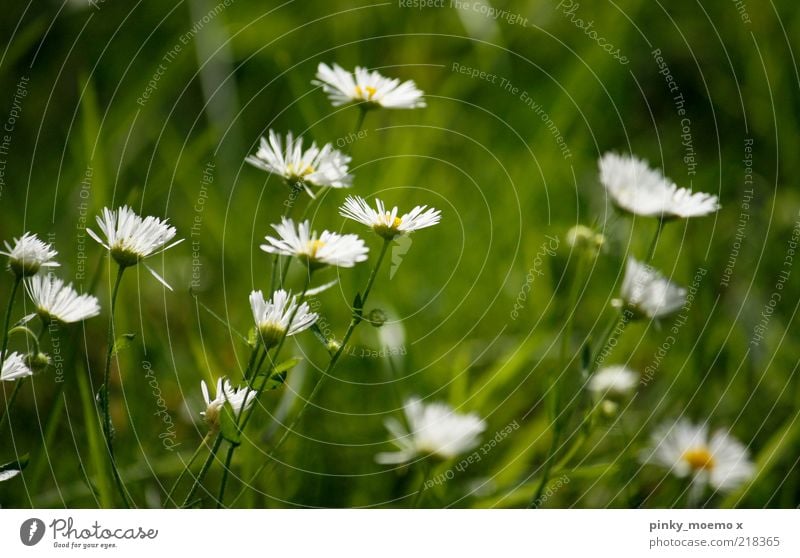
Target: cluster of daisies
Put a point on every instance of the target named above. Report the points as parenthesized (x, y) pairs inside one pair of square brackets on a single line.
[(684, 448)]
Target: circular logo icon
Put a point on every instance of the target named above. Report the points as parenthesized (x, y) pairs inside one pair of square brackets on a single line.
[(31, 531)]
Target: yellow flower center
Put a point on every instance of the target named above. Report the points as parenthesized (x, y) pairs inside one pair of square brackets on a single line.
[(699, 459), (313, 247), (369, 90), (299, 172)]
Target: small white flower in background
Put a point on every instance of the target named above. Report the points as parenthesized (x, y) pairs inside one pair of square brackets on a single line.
[(28, 255), (130, 239), (369, 88), (646, 292), (581, 237), (686, 449), (613, 380), (240, 399), (435, 429), (14, 368), (342, 250), (387, 223), (272, 316), (638, 189), (9, 474), (314, 166), (57, 301)]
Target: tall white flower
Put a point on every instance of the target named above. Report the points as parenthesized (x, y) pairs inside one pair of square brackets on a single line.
[(313, 166), (387, 223), (434, 429), (647, 293), (686, 449), (273, 317), (369, 88), (638, 189), (130, 239), (56, 301), (613, 380), (14, 368), (28, 255), (342, 250), (240, 399)]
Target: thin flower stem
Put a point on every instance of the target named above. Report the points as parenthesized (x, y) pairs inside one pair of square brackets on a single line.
[(108, 427), (201, 475), (362, 115), (329, 369), (426, 471), (11, 400), (651, 251), (295, 190), (225, 470), (189, 464), (7, 322), (573, 306)]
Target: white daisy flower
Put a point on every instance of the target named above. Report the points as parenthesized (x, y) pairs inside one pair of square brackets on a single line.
[(272, 317), (686, 449), (314, 166), (9, 474), (434, 429), (647, 293), (240, 399), (386, 223), (342, 250), (613, 380), (369, 88), (14, 368), (638, 189), (28, 255), (57, 301), (130, 239)]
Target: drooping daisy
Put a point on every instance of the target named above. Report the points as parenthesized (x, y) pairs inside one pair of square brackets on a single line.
[(686, 449), (272, 317), (613, 380), (240, 399), (130, 239), (647, 293), (369, 88), (434, 429), (386, 223), (638, 189), (14, 368), (28, 255), (57, 301), (313, 166), (342, 250)]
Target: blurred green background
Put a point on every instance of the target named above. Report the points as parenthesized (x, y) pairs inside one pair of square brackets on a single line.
[(90, 130)]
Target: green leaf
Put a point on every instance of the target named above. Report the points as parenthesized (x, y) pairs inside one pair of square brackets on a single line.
[(287, 364), (122, 343), (319, 335), (252, 337), (228, 425)]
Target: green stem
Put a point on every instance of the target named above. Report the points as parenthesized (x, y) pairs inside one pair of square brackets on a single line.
[(573, 299), (224, 482), (357, 317), (201, 475), (14, 290), (295, 190), (426, 471), (651, 251), (108, 427), (188, 466), (11, 400)]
